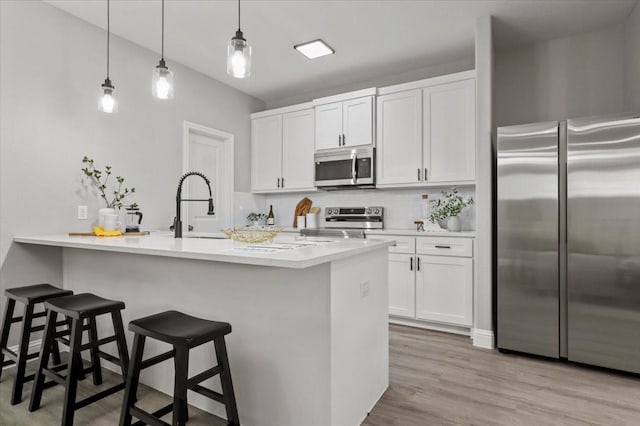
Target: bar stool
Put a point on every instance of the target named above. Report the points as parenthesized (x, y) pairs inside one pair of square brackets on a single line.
[(29, 296), (184, 332), (78, 308)]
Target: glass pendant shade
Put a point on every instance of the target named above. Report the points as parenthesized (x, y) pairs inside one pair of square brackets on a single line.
[(162, 82), (106, 100), (239, 57)]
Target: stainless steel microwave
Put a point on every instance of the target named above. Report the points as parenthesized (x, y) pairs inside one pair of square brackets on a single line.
[(345, 168)]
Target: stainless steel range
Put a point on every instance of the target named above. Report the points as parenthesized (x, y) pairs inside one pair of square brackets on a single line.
[(354, 217), (348, 222)]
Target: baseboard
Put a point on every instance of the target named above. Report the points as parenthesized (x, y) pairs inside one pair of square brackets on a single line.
[(483, 338), (34, 344), (430, 325)]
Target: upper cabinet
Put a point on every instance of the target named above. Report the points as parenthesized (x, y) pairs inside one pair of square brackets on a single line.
[(282, 150), (345, 120), (426, 135)]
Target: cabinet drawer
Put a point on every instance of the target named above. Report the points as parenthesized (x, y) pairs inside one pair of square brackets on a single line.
[(445, 246), (402, 245)]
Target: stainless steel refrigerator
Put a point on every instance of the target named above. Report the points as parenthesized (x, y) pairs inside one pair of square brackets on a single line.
[(568, 240)]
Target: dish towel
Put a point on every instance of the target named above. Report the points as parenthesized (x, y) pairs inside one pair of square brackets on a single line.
[(100, 232)]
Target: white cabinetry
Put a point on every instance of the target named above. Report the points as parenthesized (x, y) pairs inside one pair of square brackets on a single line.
[(344, 123), (282, 151), (426, 132), (431, 280)]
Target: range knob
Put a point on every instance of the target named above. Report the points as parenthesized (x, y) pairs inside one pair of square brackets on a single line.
[(376, 211), (330, 211), (368, 211)]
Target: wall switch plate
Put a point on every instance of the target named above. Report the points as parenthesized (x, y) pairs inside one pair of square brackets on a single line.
[(365, 288), (83, 212)]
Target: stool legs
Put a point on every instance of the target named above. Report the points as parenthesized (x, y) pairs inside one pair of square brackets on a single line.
[(73, 373), (6, 327), (121, 343), (43, 360), (181, 363), (226, 382), (95, 357), (133, 378), (27, 319)]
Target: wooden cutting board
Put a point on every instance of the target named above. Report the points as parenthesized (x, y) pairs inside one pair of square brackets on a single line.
[(126, 234)]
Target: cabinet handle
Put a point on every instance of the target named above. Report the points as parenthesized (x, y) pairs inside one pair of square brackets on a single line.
[(418, 175), (344, 140), (278, 182), (339, 140), (418, 263), (443, 247), (281, 182), (426, 173), (411, 263)]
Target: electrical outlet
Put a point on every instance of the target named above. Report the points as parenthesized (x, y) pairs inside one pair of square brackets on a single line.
[(364, 289), (83, 212)]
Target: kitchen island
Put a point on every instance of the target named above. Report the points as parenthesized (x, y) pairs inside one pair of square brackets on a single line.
[(310, 337)]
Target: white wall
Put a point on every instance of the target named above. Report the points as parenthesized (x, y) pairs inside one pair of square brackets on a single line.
[(632, 64), (51, 66), (576, 76), (463, 64)]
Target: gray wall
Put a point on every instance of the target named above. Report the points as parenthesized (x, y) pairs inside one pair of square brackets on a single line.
[(632, 64), (576, 76), (51, 66)]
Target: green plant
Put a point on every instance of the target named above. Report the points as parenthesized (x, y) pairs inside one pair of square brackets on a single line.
[(256, 216), (449, 205), (100, 179)]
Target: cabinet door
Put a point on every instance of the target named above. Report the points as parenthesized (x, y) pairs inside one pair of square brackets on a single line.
[(297, 149), (450, 131), (399, 131), (328, 126), (402, 297), (266, 153), (444, 289), (357, 121)]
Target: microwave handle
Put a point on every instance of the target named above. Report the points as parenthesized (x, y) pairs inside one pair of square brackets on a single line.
[(354, 169)]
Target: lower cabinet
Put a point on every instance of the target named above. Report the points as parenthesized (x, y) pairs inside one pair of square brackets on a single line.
[(436, 288), (444, 289)]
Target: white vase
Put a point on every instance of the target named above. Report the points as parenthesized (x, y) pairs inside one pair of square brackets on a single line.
[(453, 224), (102, 212)]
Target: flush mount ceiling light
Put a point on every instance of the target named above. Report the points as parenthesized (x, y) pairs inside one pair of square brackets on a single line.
[(162, 80), (106, 102), (239, 54), (314, 49)]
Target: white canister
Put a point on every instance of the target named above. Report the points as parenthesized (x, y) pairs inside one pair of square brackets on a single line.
[(111, 222), (301, 221), (312, 221), (102, 213)]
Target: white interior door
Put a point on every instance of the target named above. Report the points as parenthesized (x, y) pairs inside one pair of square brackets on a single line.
[(210, 152)]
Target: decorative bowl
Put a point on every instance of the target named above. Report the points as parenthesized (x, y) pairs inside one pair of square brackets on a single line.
[(252, 234)]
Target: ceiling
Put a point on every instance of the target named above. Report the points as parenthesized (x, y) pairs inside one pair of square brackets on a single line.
[(372, 39)]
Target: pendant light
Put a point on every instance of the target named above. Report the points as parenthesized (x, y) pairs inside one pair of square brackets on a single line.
[(106, 101), (162, 81), (239, 54)]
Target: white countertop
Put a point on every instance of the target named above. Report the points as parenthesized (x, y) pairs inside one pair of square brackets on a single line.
[(219, 250), (406, 232)]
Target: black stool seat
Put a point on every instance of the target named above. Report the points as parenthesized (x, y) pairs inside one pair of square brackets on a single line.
[(83, 305), (179, 329), (37, 293)]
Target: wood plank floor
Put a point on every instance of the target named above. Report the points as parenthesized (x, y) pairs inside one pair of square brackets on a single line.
[(436, 379)]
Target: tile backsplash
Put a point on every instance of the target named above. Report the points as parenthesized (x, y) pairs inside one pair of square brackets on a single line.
[(402, 206)]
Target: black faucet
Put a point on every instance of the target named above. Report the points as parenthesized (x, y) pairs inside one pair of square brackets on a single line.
[(177, 222)]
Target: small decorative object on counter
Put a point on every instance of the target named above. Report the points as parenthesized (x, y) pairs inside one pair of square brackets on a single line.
[(449, 207), (271, 219), (312, 218), (427, 224), (100, 179), (256, 218), (134, 218), (302, 208), (419, 225), (252, 234)]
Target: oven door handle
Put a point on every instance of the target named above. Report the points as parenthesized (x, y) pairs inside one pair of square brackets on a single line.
[(354, 169)]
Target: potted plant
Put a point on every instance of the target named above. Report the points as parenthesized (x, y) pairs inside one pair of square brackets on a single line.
[(256, 218), (448, 207), (112, 196)]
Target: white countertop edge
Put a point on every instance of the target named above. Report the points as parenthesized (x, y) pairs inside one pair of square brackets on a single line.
[(215, 257), (406, 232)]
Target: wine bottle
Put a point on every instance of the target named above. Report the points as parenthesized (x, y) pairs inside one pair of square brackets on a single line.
[(271, 219)]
